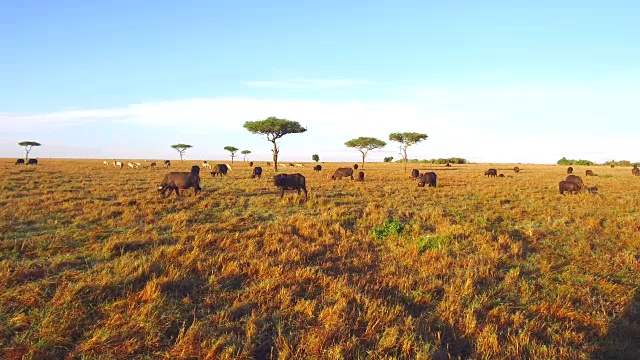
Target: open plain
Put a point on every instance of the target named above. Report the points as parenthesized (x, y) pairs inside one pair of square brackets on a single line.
[(95, 263)]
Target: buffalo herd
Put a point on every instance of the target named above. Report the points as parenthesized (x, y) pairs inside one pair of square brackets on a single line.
[(29, 162)]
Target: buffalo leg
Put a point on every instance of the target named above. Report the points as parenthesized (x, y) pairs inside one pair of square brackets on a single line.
[(305, 193), (282, 193)]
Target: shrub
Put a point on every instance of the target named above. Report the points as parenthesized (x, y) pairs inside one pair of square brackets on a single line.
[(390, 227)]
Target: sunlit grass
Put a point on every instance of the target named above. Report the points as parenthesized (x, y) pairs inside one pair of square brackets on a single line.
[(94, 263)]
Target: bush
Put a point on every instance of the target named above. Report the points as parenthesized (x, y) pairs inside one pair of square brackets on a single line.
[(388, 159), (565, 161), (391, 227)]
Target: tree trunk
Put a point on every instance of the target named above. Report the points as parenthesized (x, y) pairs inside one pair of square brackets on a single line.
[(275, 156), (28, 150), (405, 159), (363, 156), (180, 152)]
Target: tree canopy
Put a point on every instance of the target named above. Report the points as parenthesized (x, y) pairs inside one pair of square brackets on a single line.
[(274, 128), (232, 150), (365, 144), (181, 148), (315, 157), (27, 146), (407, 139), (245, 153)]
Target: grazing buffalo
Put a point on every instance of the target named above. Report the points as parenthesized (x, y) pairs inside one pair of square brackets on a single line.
[(290, 182), (257, 172), (576, 180), (448, 165), (360, 176), (342, 172), (491, 172), (516, 169), (206, 165), (290, 165), (635, 171), (32, 162), (569, 170), (317, 168), (251, 163), (167, 163), (180, 181), (220, 169), (612, 166), (153, 165), (428, 179), (635, 166), (589, 173), (501, 175), (20, 162), (415, 174), (570, 187), (355, 166)]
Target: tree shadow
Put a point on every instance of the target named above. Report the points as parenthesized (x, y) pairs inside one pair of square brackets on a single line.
[(623, 336)]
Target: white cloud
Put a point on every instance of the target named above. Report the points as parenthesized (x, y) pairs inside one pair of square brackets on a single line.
[(492, 124)]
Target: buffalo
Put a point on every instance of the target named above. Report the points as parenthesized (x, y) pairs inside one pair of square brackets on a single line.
[(257, 172), (268, 163), (501, 175), (153, 165), (576, 180), (635, 171), (569, 170), (220, 169), (415, 174), (355, 166), (32, 162), (317, 168), (589, 173), (167, 163), (570, 187), (290, 182), (448, 165), (360, 176), (181, 180), (516, 169), (612, 166), (342, 172), (491, 172), (250, 163), (20, 162), (429, 179), (290, 165)]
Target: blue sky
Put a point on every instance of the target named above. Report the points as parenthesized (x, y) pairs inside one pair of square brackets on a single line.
[(492, 81)]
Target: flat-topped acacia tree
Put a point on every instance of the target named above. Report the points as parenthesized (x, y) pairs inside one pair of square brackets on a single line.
[(27, 147), (181, 148), (245, 153), (365, 144), (274, 128), (407, 139), (233, 150)]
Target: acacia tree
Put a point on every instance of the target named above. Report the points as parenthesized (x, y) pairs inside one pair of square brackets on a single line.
[(27, 147), (407, 139), (365, 144), (274, 128), (315, 157), (245, 153), (181, 148), (232, 150)]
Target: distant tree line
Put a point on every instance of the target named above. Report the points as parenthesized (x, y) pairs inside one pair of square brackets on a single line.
[(565, 161), (452, 160)]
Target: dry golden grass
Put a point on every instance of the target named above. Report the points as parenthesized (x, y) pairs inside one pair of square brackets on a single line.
[(94, 263)]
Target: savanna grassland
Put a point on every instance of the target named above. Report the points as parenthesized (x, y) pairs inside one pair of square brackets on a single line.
[(95, 264)]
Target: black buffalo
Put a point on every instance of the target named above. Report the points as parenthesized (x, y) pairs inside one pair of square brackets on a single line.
[(167, 163), (576, 180), (635, 171), (290, 182), (317, 168), (491, 172), (415, 174), (589, 173), (570, 187), (20, 162), (501, 175), (429, 179), (250, 163), (220, 169), (569, 170), (257, 172), (181, 180), (516, 169), (342, 172), (360, 176), (448, 165), (153, 165), (32, 162), (355, 166)]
